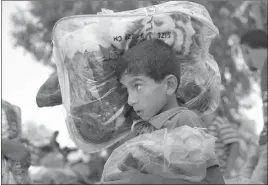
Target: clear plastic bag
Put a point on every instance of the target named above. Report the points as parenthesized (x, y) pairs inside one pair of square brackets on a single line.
[(181, 153), (85, 45)]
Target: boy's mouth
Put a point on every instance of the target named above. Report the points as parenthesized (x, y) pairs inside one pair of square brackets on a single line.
[(139, 112)]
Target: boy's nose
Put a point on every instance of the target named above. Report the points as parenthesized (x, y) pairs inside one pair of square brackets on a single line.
[(131, 99)]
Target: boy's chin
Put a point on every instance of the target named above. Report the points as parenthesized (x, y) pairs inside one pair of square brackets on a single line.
[(145, 118)]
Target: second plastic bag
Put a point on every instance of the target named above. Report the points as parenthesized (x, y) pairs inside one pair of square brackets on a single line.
[(181, 153)]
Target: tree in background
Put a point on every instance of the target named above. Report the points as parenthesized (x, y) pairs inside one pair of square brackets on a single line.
[(34, 27), (36, 133)]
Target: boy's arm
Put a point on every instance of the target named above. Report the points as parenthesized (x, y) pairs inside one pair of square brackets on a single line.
[(214, 176), (233, 154), (229, 136)]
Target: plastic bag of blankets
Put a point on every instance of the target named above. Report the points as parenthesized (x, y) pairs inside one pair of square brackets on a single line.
[(181, 153), (83, 46)]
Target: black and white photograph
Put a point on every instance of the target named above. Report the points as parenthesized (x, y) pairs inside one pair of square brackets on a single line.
[(134, 92)]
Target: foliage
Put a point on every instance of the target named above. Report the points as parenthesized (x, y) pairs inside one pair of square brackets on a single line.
[(34, 27), (36, 133)]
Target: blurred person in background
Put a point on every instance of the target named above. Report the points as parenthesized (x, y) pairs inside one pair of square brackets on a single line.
[(254, 49), (15, 156), (227, 143)]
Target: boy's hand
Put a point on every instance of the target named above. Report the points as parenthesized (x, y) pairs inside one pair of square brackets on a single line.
[(14, 149), (131, 176), (229, 134)]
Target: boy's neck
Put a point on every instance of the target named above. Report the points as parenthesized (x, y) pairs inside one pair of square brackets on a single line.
[(171, 103)]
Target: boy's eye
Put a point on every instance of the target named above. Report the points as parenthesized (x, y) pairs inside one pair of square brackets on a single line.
[(138, 86)]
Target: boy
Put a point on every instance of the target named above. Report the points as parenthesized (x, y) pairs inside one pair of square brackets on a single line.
[(150, 72)]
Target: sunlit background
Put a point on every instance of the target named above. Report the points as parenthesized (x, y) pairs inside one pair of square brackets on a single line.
[(22, 77)]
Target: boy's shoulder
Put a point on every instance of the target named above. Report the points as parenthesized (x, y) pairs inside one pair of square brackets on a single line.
[(176, 117), (188, 117)]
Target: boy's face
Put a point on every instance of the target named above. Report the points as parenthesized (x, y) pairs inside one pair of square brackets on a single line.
[(254, 58), (146, 96)]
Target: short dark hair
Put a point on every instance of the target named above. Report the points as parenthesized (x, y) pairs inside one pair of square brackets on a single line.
[(255, 39), (153, 58)]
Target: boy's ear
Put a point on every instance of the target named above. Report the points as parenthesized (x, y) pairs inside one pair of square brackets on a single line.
[(172, 84)]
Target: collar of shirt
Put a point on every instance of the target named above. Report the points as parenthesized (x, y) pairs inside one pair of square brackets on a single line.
[(159, 120)]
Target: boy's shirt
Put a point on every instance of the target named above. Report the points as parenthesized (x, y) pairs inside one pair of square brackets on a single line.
[(177, 117)]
